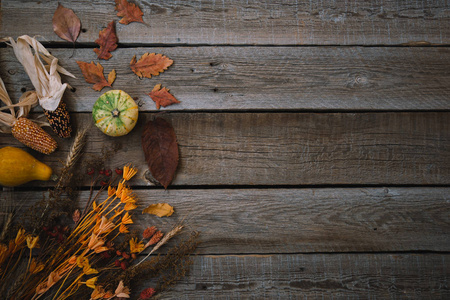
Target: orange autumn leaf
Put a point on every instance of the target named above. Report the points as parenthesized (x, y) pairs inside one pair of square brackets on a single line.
[(162, 96), (129, 12), (150, 64), (107, 40), (94, 74), (112, 77), (160, 210)]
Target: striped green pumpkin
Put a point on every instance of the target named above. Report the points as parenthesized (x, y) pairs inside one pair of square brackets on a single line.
[(115, 113)]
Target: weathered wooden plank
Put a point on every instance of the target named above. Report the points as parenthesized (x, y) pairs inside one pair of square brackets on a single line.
[(318, 276), (246, 22), (288, 148), (232, 78), (251, 221)]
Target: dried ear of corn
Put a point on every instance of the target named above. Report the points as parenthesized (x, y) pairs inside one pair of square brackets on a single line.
[(30, 134), (59, 120)]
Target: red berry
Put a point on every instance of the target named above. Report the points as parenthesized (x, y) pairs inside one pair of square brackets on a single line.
[(124, 265), (125, 255), (103, 183), (90, 171), (102, 171), (119, 171), (117, 263), (108, 172), (118, 253), (133, 256)]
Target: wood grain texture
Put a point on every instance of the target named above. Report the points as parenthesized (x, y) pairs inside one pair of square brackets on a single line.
[(318, 276), (266, 78), (287, 148), (246, 22), (264, 221)]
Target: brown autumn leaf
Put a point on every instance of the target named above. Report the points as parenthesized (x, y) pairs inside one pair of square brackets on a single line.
[(159, 143), (129, 11), (160, 210), (107, 40), (150, 64), (162, 97), (94, 74), (66, 24)]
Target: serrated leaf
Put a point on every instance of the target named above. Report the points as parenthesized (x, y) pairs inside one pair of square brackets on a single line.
[(66, 24), (94, 74), (162, 96), (150, 64), (107, 40), (160, 147), (160, 210), (129, 12)]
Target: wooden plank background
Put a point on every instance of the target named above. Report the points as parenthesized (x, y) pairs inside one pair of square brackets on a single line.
[(267, 78), (314, 138)]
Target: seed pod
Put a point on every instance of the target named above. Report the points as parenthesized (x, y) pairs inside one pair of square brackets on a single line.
[(59, 120), (30, 134)]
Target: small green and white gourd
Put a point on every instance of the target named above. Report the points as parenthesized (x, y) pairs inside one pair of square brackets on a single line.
[(115, 113)]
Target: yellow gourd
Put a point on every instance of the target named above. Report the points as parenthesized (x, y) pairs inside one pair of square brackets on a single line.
[(18, 167)]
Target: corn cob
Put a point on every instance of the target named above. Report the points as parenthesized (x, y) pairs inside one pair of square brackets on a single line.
[(59, 120), (30, 134)]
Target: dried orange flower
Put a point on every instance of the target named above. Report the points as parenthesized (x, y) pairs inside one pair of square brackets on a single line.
[(91, 282), (155, 238), (20, 237), (111, 191), (119, 190), (123, 229), (32, 242), (35, 267), (130, 206), (129, 172), (122, 291), (148, 232), (126, 219), (135, 246), (98, 293)]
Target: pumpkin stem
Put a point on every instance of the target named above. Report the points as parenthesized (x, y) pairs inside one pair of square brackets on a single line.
[(115, 113)]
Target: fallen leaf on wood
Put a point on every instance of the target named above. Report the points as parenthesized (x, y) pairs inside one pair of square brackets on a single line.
[(162, 97), (66, 24), (112, 77), (159, 143), (129, 11), (150, 64), (107, 40), (94, 74), (160, 210)]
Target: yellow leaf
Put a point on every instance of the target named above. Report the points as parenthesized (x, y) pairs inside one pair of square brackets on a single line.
[(112, 76), (160, 210)]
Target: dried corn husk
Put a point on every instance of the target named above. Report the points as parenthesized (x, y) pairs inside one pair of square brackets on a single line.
[(42, 68), (26, 131), (26, 102)]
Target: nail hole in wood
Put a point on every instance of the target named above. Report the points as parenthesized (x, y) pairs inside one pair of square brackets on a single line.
[(73, 90), (23, 90), (83, 30)]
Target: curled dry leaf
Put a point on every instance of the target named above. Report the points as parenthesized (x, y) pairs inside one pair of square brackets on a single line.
[(129, 12), (94, 74), (66, 24), (107, 40), (160, 210), (150, 64), (162, 97), (159, 143)]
